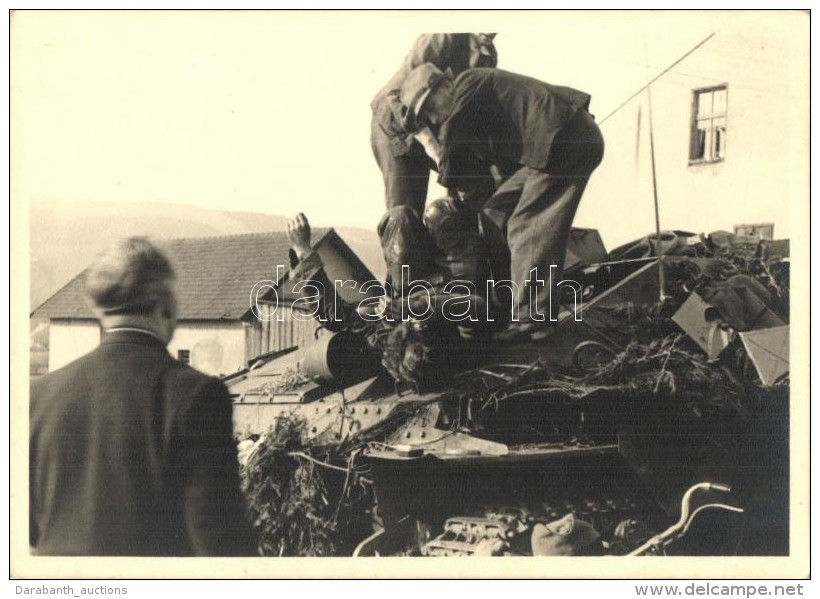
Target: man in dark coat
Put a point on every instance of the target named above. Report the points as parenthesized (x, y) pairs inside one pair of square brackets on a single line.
[(403, 151), (131, 451), (541, 133)]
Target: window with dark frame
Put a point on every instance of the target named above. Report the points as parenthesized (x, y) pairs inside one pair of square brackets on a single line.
[(708, 143), (184, 356)]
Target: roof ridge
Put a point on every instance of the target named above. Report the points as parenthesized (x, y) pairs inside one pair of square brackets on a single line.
[(212, 272), (236, 235), (60, 290)]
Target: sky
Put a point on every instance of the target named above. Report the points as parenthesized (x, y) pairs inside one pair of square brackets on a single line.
[(269, 111)]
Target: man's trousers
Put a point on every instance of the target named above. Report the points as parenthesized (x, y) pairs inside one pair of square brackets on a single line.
[(406, 176), (534, 209)]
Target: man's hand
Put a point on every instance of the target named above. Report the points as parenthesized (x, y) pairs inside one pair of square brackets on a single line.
[(299, 234), (431, 146)]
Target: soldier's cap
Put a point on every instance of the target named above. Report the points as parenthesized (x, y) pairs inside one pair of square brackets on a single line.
[(416, 89)]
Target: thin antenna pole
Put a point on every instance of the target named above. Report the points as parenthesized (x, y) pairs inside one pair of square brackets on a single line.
[(661, 275)]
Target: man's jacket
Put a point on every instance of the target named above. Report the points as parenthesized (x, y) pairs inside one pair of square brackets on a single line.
[(504, 119), (132, 453)]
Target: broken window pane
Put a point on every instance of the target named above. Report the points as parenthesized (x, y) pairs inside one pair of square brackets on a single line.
[(700, 145)]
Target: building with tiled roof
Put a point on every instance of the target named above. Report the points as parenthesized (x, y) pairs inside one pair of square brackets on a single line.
[(217, 330)]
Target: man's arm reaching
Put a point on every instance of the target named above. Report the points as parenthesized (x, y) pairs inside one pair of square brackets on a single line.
[(316, 291)]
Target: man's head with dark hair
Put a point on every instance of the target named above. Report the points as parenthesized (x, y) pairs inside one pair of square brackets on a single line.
[(425, 353), (133, 279), (408, 353)]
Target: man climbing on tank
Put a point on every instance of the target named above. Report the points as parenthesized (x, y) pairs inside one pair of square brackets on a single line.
[(543, 134), (406, 154)]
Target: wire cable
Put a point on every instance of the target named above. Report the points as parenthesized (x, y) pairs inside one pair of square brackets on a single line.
[(666, 70)]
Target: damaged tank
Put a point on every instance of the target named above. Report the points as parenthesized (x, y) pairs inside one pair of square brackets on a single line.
[(661, 393)]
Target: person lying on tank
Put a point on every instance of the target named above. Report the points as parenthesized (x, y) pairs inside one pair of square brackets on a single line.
[(420, 330)]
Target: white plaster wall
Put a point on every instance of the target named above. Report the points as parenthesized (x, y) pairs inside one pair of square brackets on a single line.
[(765, 171), (70, 339), (216, 348)]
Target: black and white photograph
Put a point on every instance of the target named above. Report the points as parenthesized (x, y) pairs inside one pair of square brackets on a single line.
[(303, 292)]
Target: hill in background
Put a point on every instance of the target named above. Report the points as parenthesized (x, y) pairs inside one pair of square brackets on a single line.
[(66, 236)]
